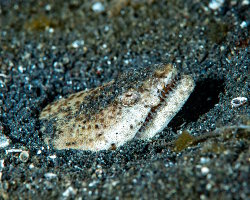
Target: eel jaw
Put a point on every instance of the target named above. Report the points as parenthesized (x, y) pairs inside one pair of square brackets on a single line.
[(172, 98)]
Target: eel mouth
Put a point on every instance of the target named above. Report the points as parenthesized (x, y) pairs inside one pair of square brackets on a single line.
[(163, 94), (172, 97)]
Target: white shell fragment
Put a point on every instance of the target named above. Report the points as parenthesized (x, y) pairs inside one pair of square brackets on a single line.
[(24, 156), (140, 111), (238, 101), (98, 7), (216, 4), (4, 141)]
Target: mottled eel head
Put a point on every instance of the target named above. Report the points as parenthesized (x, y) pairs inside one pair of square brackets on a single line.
[(110, 115)]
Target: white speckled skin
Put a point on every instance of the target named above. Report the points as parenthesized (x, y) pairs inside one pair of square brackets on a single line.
[(123, 119)]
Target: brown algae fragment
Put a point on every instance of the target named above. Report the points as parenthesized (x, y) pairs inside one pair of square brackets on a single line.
[(39, 23), (108, 116), (183, 141)]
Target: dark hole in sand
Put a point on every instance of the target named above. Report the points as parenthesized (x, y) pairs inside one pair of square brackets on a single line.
[(203, 98)]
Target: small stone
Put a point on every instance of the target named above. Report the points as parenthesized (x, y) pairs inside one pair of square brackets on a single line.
[(77, 43), (98, 7), (215, 4), (20, 69), (52, 157), (245, 2), (50, 30), (13, 151), (204, 160), (69, 191), (4, 141), (48, 7), (243, 24), (39, 152), (204, 170), (208, 186), (1, 165), (31, 166), (50, 175)]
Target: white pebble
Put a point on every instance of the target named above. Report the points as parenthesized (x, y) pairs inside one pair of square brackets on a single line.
[(1, 165), (52, 157), (204, 160), (50, 175), (104, 46), (4, 141), (238, 101), (50, 30), (98, 7), (77, 43), (31, 166), (13, 151), (208, 186), (48, 7), (215, 4), (92, 184), (243, 24), (69, 191), (20, 69), (204, 170), (39, 152), (245, 2)]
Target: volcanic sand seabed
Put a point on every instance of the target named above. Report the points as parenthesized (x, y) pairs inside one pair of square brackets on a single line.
[(52, 49)]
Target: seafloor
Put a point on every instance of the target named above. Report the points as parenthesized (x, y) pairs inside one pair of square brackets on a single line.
[(49, 49)]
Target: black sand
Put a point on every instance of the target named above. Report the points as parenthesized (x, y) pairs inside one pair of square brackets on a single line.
[(52, 49)]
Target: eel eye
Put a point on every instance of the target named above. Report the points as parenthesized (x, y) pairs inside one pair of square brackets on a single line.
[(130, 98)]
